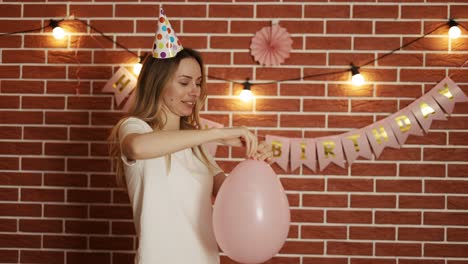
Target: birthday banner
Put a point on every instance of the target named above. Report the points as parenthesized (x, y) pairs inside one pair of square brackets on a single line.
[(415, 119)]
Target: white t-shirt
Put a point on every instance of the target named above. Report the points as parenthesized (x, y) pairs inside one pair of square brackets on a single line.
[(172, 211)]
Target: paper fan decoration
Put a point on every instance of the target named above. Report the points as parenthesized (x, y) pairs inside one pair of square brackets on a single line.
[(271, 45)]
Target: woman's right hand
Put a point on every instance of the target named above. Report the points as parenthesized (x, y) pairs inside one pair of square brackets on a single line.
[(238, 137)]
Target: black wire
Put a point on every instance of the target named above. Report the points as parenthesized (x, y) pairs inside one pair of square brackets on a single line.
[(81, 21), (24, 31), (461, 25), (404, 45), (31, 30), (222, 79), (232, 81), (107, 37), (305, 77)]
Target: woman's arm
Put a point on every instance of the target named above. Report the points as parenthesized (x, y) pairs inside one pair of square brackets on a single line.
[(160, 143)]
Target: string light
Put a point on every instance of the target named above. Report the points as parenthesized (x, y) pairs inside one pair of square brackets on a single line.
[(57, 31), (137, 66), (357, 79), (454, 31), (246, 94)]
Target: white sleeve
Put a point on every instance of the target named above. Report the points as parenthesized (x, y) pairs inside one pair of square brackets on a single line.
[(130, 126)]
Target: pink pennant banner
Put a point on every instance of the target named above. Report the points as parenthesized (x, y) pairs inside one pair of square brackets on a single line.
[(129, 103), (280, 148), (425, 109), (380, 136), (403, 124), (355, 145), (303, 152), (211, 147), (121, 84), (329, 149), (205, 124), (447, 93)]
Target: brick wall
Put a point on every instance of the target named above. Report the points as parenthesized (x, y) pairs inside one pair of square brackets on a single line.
[(58, 201)]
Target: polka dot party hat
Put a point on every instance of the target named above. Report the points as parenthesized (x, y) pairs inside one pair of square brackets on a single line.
[(166, 44)]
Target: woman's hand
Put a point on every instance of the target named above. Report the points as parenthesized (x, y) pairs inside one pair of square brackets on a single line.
[(264, 153), (238, 137)]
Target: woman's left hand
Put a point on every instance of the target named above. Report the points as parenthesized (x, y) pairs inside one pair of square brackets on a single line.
[(264, 153)]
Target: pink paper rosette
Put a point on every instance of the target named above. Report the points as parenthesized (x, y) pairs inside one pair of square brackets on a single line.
[(271, 45)]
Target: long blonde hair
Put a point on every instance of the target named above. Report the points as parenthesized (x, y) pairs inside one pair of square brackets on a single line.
[(154, 76)]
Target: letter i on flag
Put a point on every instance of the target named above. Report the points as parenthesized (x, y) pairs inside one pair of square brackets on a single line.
[(303, 152)]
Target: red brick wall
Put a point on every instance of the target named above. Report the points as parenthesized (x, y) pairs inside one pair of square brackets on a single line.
[(58, 202)]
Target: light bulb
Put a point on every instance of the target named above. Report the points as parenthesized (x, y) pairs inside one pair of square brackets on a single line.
[(357, 79), (454, 32), (58, 32), (246, 95), (137, 68)]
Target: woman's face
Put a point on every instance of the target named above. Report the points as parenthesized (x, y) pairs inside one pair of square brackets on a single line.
[(183, 89)]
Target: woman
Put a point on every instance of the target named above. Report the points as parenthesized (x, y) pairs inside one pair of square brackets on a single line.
[(170, 178)]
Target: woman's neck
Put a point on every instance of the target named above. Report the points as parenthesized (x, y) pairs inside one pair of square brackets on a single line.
[(172, 122)]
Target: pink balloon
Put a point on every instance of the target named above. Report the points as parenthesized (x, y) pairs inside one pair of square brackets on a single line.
[(251, 213)]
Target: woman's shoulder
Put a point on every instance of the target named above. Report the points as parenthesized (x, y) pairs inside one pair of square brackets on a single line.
[(135, 121)]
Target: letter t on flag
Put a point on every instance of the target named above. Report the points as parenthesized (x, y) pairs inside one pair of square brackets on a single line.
[(330, 150)]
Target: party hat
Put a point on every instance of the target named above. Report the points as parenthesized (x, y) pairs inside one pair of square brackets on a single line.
[(166, 44)]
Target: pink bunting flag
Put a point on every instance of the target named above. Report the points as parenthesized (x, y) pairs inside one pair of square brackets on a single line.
[(355, 145), (329, 150), (303, 152), (129, 103), (211, 147), (121, 84), (280, 148), (425, 109), (403, 124), (447, 93), (380, 135)]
